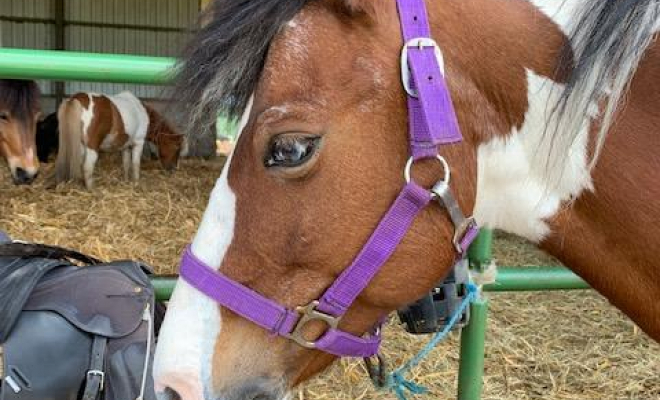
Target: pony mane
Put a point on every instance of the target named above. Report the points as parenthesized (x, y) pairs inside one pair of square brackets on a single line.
[(158, 125), (223, 61), (20, 98), (606, 44)]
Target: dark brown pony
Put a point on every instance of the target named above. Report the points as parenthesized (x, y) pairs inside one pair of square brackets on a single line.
[(537, 86), (19, 113)]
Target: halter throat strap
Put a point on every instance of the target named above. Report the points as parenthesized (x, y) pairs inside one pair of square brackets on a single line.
[(432, 122)]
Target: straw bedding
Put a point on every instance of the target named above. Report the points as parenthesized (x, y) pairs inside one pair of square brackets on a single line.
[(561, 345)]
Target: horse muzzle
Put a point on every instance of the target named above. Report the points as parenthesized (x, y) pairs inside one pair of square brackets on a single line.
[(21, 176), (259, 389)]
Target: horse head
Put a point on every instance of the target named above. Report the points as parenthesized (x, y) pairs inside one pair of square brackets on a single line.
[(320, 158), (168, 141), (19, 113)]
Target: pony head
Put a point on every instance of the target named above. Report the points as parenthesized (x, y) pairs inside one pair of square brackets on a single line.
[(168, 141), (19, 113)]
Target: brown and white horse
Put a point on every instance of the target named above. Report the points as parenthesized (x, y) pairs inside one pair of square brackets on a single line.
[(90, 123), (19, 113), (536, 84)]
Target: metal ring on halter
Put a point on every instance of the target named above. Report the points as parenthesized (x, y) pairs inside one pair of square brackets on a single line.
[(419, 42), (441, 159)]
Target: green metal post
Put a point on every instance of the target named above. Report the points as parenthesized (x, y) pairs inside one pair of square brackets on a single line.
[(77, 66), (473, 337), (481, 251), (473, 350), (164, 286)]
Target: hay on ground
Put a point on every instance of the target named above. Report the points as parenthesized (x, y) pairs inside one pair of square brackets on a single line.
[(561, 345)]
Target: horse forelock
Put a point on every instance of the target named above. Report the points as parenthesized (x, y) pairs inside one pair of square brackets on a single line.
[(20, 98), (222, 63)]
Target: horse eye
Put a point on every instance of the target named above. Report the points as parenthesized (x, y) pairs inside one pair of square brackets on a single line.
[(291, 150), (4, 117)]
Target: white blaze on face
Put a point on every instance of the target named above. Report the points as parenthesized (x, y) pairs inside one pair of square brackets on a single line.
[(193, 322)]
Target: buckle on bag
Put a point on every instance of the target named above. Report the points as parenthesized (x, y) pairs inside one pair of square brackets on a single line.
[(308, 314), (95, 372)]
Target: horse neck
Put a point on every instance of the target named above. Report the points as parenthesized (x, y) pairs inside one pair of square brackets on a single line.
[(537, 184)]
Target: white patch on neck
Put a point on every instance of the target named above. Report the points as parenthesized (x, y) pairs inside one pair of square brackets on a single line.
[(193, 323), (524, 179)]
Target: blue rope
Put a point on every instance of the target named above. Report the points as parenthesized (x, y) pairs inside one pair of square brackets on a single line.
[(397, 382)]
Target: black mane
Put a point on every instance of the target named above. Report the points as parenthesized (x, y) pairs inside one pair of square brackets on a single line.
[(20, 98), (606, 44), (223, 61)]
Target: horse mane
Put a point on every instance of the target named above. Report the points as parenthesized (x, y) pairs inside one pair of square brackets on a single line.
[(158, 125), (606, 44), (20, 97), (221, 65)]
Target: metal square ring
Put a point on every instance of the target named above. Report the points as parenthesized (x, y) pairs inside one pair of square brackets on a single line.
[(308, 314)]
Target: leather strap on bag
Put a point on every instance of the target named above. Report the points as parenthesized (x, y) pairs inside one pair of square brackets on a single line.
[(96, 374)]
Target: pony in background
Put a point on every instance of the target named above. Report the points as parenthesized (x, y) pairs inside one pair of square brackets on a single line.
[(90, 123), (19, 112)]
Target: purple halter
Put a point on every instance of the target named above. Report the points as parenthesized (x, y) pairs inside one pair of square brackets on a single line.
[(432, 122)]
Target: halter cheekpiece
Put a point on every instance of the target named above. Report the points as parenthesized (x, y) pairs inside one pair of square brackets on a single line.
[(432, 122)]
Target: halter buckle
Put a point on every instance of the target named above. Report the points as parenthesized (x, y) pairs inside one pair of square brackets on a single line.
[(308, 314), (420, 43)]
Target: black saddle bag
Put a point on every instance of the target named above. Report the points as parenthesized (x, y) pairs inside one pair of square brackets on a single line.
[(73, 328)]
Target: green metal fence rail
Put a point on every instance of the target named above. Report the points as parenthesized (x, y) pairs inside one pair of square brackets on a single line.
[(60, 65), (69, 66)]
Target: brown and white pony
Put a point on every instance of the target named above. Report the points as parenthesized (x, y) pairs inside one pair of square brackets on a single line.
[(90, 123), (19, 112), (537, 85)]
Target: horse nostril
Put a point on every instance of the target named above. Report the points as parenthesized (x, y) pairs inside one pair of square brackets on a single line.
[(168, 394), (21, 177), (264, 396), (256, 392)]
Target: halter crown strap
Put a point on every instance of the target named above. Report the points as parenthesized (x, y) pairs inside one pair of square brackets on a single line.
[(431, 116)]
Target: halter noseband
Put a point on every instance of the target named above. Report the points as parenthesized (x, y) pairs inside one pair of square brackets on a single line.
[(432, 122)]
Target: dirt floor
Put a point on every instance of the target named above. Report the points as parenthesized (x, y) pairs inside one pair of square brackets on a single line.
[(560, 345)]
